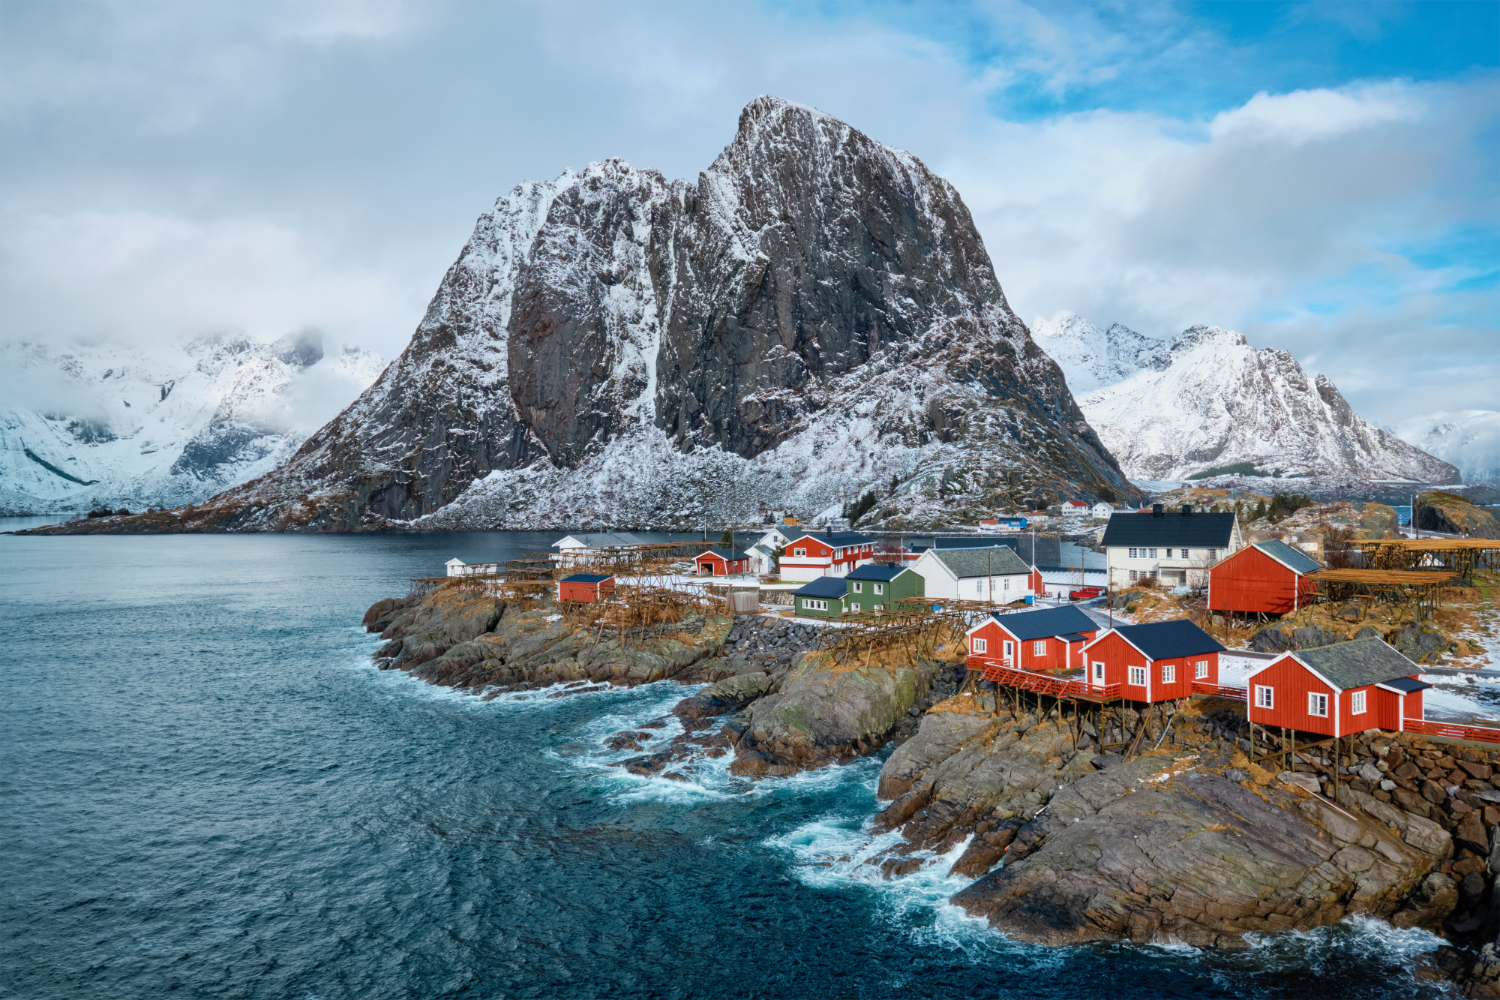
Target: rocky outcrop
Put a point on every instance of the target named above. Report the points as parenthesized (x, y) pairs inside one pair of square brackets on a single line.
[(940, 736), (611, 347), (1439, 510)]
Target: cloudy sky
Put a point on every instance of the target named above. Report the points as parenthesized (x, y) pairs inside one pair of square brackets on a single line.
[(1322, 177)]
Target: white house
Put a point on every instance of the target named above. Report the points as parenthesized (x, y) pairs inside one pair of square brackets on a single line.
[(763, 551), (455, 567), (1178, 548), (996, 575), (1101, 509)]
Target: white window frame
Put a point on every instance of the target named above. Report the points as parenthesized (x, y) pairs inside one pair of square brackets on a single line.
[(859, 588), (1132, 553), (1169, 673), (1200, 670), (1039, 648), (814, 604), (1005, 584), (880, 588), (1099, 674), (854, 606), (1152, 555), (979, 645), (1134, 576), (1265, 696), (1317, 705), (799, 552), (1010, 649), (1138, 677), (1357, 703)]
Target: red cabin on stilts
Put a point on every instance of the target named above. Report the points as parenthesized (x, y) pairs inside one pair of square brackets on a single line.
[(1337, 690), (1046, 639), (1266, 578), (1159, 661)]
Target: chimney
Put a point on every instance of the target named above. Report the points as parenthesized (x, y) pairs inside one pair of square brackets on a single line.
[(1158, 510), (1187, 510)]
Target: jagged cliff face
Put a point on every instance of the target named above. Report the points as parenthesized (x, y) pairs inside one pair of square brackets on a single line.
[(1208, 400), (816, 314)]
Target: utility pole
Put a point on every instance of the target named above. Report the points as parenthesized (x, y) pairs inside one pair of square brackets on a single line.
[(989, 574)]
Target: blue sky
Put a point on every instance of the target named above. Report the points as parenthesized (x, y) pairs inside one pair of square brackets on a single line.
[(1322, 177)]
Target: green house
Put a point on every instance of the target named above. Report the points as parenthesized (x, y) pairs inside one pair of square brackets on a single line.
[(873, 587), (823, 598)]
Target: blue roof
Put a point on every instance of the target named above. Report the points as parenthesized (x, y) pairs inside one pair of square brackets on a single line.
[(1046, 622), (730, 554), (823, 586), (587, 578), (1164, 640), (877, 571), (837, 539)]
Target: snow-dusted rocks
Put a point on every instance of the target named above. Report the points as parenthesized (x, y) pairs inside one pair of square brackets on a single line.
[(1207, 400), (89, 426), (812, 317)]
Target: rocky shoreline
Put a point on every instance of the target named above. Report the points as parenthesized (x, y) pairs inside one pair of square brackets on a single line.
[(1187, 843)]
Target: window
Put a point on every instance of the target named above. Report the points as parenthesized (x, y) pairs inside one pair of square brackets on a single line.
[(1213, 553), (1134, 575), (1039, 648), (1152, 554), (858, 587), (880, 607), (1168, 673), (1184, 553), (1357, 703), (1138, 676), (980, 645), (880, 588), (1200, 670), (809, 604), (1265, 697), (1132, 553), (1317, 704), (978, 586), (854, 606), (1010, 649), (1005, 584), (799, 552)]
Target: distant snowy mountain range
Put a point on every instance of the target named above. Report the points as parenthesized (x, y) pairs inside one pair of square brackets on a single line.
[(83, 426), (1207, 401), (1469, 439)]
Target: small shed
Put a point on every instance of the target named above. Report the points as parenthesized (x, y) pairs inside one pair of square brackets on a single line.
[(722, 562), (1047, 639), (1158, 661), (584, 587), (455, 567), (1336, 690), (1268, 577), (822, 598)]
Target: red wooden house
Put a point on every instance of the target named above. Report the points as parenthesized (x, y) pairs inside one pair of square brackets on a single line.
[(833, 553), (1336, 690), (722, 562), (1159, 661), (585, 587), (1047, 639), (1267, 577)]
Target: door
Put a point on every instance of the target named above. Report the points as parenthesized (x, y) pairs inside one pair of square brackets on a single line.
[(1098, 673), (1010, 649)]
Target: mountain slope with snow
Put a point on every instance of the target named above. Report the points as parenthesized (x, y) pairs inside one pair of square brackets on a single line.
[(83, 427), (1208, 400), (815, 316), (1469, 439)]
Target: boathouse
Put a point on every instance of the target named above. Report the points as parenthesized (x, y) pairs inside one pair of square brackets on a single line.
[(1337, 690), (822, 598), (1158, 661), (585, 587), (1042, 640), (1268, 577), (722, 562)]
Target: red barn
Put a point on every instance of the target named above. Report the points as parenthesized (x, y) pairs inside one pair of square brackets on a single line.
[(584, 587), (1155, 662), (1336, 690), (1048, 639), (722, 562), (1267, 577)]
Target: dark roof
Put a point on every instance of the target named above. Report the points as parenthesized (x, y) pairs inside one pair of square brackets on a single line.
[(730, 554), (1074, 637), (823, 586), (876, 571), (1406, 684), (1295, 559), (1000, 560), (972, 542), (1358, 663), (1164, 640), (587, 578), (837, 539), (1045, 622), (1196, 530)]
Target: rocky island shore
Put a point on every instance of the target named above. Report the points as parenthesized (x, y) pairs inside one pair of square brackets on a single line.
[(1188, 842)]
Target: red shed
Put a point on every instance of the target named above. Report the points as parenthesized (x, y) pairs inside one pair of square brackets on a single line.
[(1267, 577), (722, 562), (585, 587), (1046, 639), (1336, 690), (1154, 662), (1035, 583)]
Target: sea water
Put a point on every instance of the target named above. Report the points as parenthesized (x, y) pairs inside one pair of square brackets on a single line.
[(206, 790)]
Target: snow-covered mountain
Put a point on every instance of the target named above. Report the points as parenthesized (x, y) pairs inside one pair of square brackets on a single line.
[(85, 426), (815, 316), (1207, 400), (1469, 439)]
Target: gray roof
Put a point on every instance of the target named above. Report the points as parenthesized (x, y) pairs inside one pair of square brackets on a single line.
[(966, 563), (1295, 559), (1358, 663), (727, 554), (607, 539)]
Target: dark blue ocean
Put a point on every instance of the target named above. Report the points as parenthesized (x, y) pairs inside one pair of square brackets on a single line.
[(207, 791)]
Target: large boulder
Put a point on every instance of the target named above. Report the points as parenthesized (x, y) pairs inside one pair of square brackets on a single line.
[(1313, 636), (728, 695), (1439, 510), (1416, 643), (1270, 640), (940, 736)]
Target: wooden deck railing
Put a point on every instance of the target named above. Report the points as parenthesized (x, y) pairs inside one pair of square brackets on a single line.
[(1001, 672), (1219, 691), (1481, 734)]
